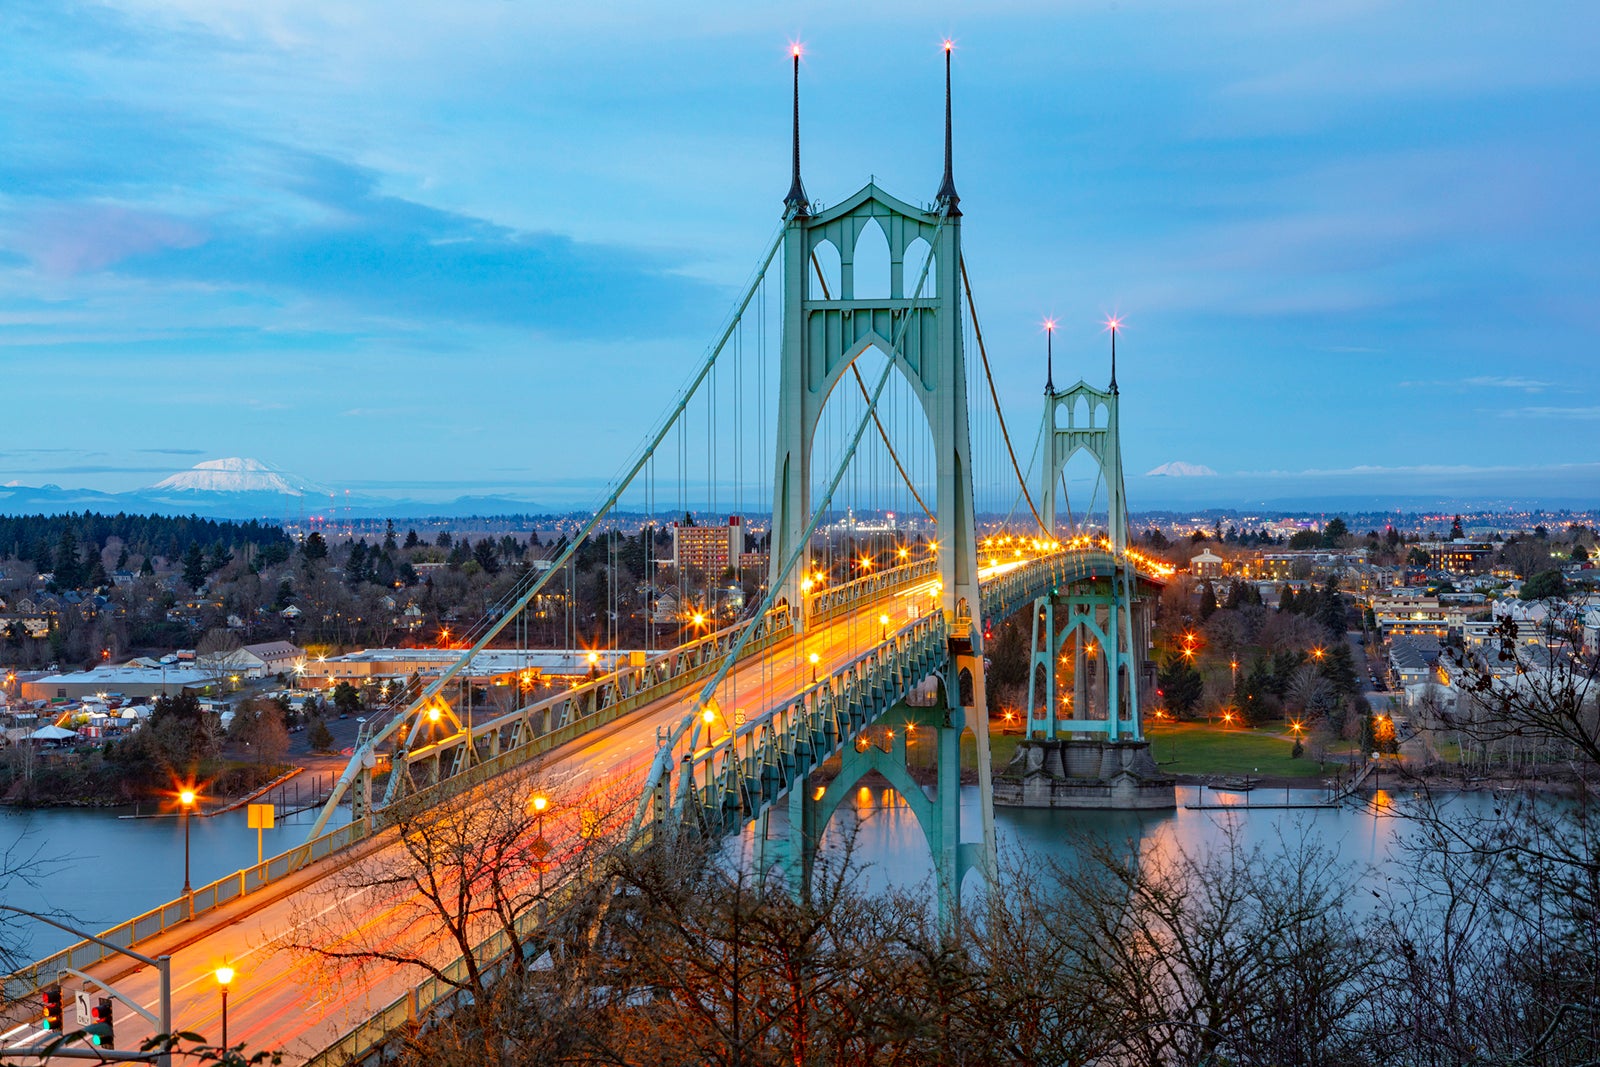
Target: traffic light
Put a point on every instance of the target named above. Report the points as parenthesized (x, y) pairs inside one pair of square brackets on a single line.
[(100, 1031), (54, 1020)]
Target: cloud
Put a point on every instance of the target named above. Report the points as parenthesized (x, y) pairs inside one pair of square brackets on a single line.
[(1532, 385), (1482, 381), (1552, 413), (64, 241), (356, 247), (1366, 470)]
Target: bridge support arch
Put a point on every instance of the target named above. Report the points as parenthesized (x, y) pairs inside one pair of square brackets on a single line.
[(936, 807)]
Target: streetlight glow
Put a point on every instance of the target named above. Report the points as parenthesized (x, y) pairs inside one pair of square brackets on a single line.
[(224, 974)]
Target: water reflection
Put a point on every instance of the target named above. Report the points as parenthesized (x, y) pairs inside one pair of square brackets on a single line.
[(889, 847)]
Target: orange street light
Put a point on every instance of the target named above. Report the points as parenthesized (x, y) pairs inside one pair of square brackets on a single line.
[(186, 801), (814, 658), (224, 976)]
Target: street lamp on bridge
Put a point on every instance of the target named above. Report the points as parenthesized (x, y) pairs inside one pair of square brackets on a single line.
[(224, 976)]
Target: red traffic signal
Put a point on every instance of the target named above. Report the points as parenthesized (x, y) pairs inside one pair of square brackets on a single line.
[(54, 1020), (100, 1030)]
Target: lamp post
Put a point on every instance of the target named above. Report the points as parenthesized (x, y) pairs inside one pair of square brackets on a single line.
[(186, 799), (224, 976), (814, 658), (541, 847), (883, 628)]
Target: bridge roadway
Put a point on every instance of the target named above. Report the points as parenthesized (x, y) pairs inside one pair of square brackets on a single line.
[(280, 1000)]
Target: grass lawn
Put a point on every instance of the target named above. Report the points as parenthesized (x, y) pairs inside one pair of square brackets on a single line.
[(1203, 749)]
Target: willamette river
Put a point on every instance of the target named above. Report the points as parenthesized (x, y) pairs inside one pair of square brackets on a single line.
[(103, 869)]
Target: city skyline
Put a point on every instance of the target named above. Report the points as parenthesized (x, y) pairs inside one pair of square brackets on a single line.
[(368, 245)]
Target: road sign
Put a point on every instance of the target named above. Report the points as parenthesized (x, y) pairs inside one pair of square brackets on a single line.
[(85, 1017), (259, 817)]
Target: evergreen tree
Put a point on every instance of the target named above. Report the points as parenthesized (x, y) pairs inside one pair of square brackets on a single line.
[(1334, 532), (1009, 658), (1456, 533), (194, 566), (355, 568), (1338, 666), (67, 565), (1544, 585), (388, 535), (1208, 601), (315, 547), (1331, 610), (122, 558), (147, 569), (219, 558), (1235, 595), (412, 540), (318, 736), (444, 539), (1286, 599), (1181, 685), (1253, 692)]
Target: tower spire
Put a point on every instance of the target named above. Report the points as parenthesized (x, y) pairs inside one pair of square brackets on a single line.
[(1049, 356), (949, 201), (1114, 324), (795, 204)]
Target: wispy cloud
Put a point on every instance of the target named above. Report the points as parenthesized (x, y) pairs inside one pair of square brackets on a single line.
[(1483, 381), (1592, 412)]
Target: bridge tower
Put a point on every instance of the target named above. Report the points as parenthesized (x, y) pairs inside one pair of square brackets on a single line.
[(1086, 748), (918, 328)]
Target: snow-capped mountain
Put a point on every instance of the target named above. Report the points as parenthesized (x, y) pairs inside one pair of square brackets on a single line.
[(1179, 469), (235, 475)]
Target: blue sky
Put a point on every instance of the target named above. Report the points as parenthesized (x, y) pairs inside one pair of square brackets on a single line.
[(1354, 242)]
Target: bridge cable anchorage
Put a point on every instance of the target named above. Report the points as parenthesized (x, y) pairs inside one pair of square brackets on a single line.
[(537, 583), (661, 766), (977, 332), (861, 384)]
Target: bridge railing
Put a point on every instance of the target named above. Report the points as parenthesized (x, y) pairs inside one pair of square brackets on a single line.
[(571, 715), (829, 604), (735, 779)]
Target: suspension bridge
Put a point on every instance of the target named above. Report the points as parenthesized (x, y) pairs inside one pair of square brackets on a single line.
[(905, 525)]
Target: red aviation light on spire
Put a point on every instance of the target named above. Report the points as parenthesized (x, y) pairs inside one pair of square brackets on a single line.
[(1049, 325), (796, 49), (949, 44), (1113, 323)]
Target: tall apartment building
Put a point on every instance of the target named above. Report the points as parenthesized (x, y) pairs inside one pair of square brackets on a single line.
[(711, 550)]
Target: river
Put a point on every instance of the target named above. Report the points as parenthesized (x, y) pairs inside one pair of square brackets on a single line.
[(102, 869)]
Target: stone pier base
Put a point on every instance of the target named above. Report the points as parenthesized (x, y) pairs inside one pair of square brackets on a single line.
[(1109, 775)]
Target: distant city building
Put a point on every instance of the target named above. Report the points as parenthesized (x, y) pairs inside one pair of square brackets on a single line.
[(1206, 565), (711, 550), (1460, 556)]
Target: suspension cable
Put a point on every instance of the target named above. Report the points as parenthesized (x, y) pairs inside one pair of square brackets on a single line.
[(977, 332)]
